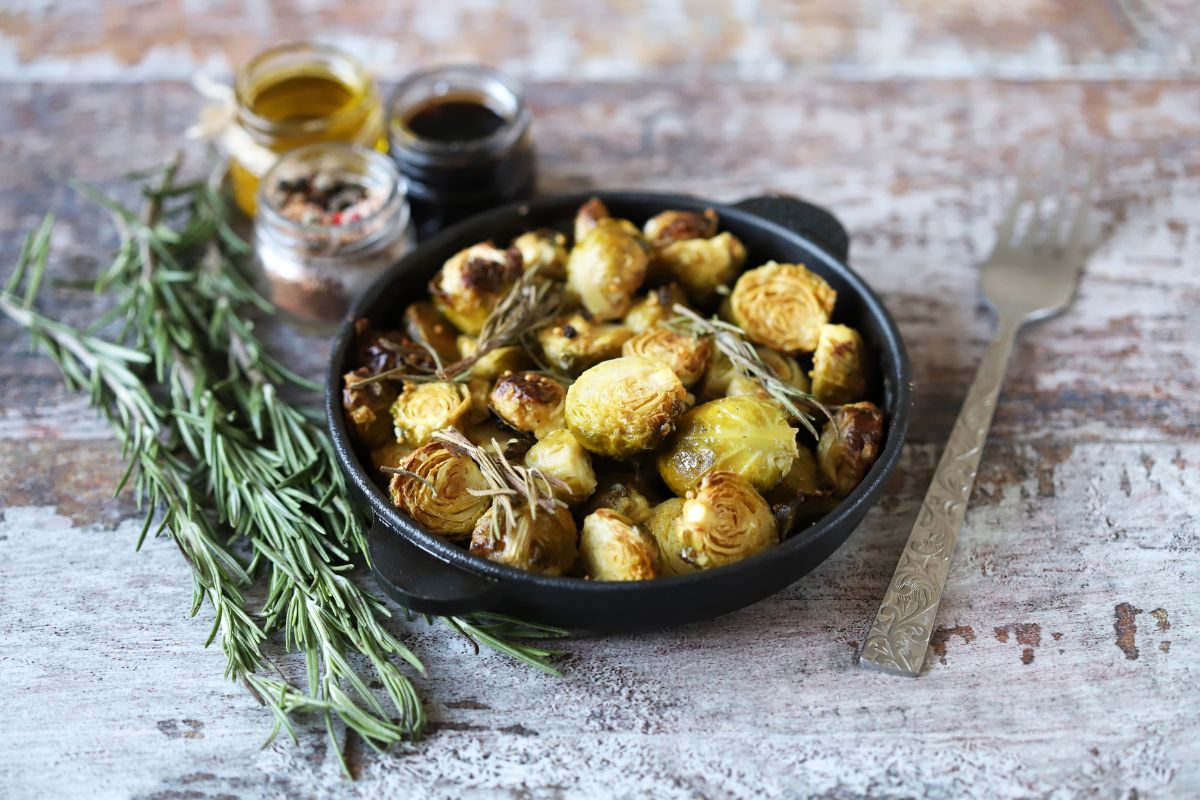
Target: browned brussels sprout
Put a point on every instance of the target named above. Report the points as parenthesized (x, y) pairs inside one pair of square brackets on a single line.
[(613, 548), (782, 306), (722, 521), (688, 356), (545, 542), (423, 408), (674, 226), (623, 406), (529, 402), (848, 448), (560, 455), (839, 373), (366, 406), (424, 323), (544, 250), (656, 307), (606, 267), (575, 342), (472, 281), (701, 266), (440, 497)]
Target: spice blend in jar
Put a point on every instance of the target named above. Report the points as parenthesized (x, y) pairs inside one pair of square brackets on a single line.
[(331, 217)]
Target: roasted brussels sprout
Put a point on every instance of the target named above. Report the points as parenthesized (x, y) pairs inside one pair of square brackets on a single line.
[(496, 362), (621, 497), (623, 406), (484, 433), (687, 356), (587, 217), (472, 281), (723, 379), (546, 542), (701, 266), (606, 268), (722, 521), (782, 305), (575, 342), (674, 226), (529, 401), (423, 408), (613, 548), (424, 323), (366, 407), (847, 449), (745, 435), (662, 527), (545, 250), (657, 306), (560, 455), (440, 499), (839, 373)]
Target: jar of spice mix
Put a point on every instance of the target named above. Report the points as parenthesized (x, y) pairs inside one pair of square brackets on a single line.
[(331, 217), (295, 95), (460, 137)]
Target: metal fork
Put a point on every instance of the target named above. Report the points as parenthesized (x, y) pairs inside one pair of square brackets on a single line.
[(1030, 275)]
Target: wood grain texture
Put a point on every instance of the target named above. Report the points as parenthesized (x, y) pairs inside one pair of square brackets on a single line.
[(1064, 662)]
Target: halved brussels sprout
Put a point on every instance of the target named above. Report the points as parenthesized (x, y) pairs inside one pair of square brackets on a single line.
[(657, 306), (545, 250), (484, 433), (575, 342), (847, 450), (529, 402), (701, 266), (782, 305), (472, 281), (613, 548), (722, 521), (723, 379), (367, 407), (674, 226), (560, 455), (545, 542), (606, 268), (424, 323), (441, 498), (423, 408), (745, 435), (496, 362), (662, 527), (624, 406), (621, 497), (687, 356), (839, 373)]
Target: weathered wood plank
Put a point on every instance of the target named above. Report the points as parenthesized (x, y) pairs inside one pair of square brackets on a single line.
[(1066, 655), (604, 40)]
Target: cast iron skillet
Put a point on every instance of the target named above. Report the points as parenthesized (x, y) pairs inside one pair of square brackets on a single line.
[(430, 575)]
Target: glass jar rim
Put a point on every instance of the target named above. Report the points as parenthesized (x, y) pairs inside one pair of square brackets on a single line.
[(402, 138), (271, 127), (394, 201)]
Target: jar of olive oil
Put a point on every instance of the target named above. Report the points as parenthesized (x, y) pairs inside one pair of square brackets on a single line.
[(295, 95)]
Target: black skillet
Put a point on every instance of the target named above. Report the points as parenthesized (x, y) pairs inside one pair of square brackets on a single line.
[(430, 575)]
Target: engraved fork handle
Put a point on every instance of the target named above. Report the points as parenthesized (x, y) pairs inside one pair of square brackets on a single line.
[(899, 635)]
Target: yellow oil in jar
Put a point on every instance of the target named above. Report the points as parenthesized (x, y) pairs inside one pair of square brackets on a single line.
[(328, 99)]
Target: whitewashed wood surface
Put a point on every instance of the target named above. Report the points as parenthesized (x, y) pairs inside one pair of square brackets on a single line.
[(1065, 663)]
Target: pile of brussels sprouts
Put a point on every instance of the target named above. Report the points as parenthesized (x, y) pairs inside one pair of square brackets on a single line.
[(662, 455)]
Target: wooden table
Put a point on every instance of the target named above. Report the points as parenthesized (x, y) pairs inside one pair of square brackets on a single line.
[(1064, 662)]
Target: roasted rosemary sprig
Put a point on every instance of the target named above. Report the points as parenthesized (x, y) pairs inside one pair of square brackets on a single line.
[(530, 304), (224, 465), (731, 341), (506, 481)]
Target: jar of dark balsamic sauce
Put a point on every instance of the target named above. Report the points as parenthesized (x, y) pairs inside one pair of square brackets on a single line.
[(460, 137)]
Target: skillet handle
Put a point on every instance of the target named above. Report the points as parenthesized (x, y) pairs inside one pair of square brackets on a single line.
[(422, 582), (814, 222)]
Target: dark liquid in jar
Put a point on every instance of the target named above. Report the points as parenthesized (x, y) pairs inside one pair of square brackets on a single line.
[(454, 119)]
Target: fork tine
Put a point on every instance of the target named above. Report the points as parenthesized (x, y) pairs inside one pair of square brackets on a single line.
[(1004, 233), (1075, 239), (1055, 229)]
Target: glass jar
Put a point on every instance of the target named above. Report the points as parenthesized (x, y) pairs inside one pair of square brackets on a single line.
[(460, 137), (294, 95), (331, 218)]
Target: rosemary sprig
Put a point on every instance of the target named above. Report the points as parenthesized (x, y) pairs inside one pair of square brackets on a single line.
[(530, 304), (731, 341), (505, 480), (223, 463)]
